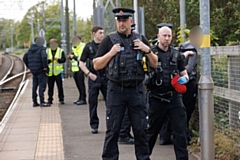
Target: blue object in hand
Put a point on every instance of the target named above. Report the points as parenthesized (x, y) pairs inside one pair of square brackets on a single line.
[(182, 80)]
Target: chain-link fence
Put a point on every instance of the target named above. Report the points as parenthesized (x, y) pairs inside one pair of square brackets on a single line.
[(225, 67), (226, 77)]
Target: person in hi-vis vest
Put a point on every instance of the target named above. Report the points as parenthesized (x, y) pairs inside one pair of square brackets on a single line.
[(56, 58), (78, 74)]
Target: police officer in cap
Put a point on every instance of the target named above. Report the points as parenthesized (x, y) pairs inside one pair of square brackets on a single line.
[(125, 136), (122, 52), (165, 85)]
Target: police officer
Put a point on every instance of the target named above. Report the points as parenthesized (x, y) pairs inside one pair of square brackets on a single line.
[(165, 132), (122, 52), (97, 79), (125, 136), (56, 58), (78, 74), (165, 85), (36, 60), (190, 97)]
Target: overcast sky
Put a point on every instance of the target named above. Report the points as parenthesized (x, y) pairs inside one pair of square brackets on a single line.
[(16, 9)]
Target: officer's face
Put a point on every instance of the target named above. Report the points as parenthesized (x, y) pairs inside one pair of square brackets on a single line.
[(99, 35), (124, 25), (165, 36)]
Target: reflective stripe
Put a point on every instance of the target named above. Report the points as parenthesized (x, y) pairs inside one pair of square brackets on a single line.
[(55, 68), (77, 52)]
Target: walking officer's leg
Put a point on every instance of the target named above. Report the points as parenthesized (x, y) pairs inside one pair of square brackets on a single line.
[(165, 132), (177, 116), (93, 91), (138, 118), (156, 114), (116, 107)]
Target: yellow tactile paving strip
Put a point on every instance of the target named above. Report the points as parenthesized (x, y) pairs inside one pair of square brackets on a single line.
[(50, 144)]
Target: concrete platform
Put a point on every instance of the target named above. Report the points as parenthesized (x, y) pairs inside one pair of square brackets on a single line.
[(59, 132)]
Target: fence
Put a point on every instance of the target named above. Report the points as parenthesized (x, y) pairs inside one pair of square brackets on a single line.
[(225, 69)]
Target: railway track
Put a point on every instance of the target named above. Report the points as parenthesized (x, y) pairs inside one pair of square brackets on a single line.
[(13, 75)]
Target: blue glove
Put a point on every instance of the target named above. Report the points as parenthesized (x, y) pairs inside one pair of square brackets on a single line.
[(182, 80)]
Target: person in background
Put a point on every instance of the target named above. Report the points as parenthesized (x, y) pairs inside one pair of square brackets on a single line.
[(97, 80), (190, 97), (36, 60), (56, 58), (78, 74)]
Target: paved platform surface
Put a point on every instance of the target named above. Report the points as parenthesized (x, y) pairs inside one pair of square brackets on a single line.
[(59, 132)]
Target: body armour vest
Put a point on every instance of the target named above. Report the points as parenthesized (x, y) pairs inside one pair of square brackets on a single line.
[(125, 66), (160, 78)]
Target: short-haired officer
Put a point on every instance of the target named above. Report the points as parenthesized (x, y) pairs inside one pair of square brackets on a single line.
[(97, 80), (123, 52), (165, 87)]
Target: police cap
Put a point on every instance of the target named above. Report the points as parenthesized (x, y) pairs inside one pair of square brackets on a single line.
[(160, 25), (123, 13)]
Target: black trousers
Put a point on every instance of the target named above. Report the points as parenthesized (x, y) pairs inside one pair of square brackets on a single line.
[(189, 101), (79, 81), (93, 90), (51, 82), (126, 126), (118, 99), (39, 81), (166, 132), (175, 110)]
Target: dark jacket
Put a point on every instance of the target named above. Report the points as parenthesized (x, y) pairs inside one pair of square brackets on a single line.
[(36, 59), (191, 61)]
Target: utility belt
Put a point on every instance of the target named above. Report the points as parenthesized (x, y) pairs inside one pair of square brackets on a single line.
[(163, 96), (127, 84)]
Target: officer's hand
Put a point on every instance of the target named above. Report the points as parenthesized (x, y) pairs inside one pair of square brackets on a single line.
[(188, 53), (92, 76), (115, 49), (139, 45), (182, 80), (55, 59)]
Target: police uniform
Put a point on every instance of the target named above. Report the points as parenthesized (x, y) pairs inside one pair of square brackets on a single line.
[(190, 97), (125, 136), (164, 100), (165, 132), (78, 74), (125, 90), (100, 84)]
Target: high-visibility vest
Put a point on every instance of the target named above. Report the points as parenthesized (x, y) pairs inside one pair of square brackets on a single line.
[(77, 52), (55, 68)]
